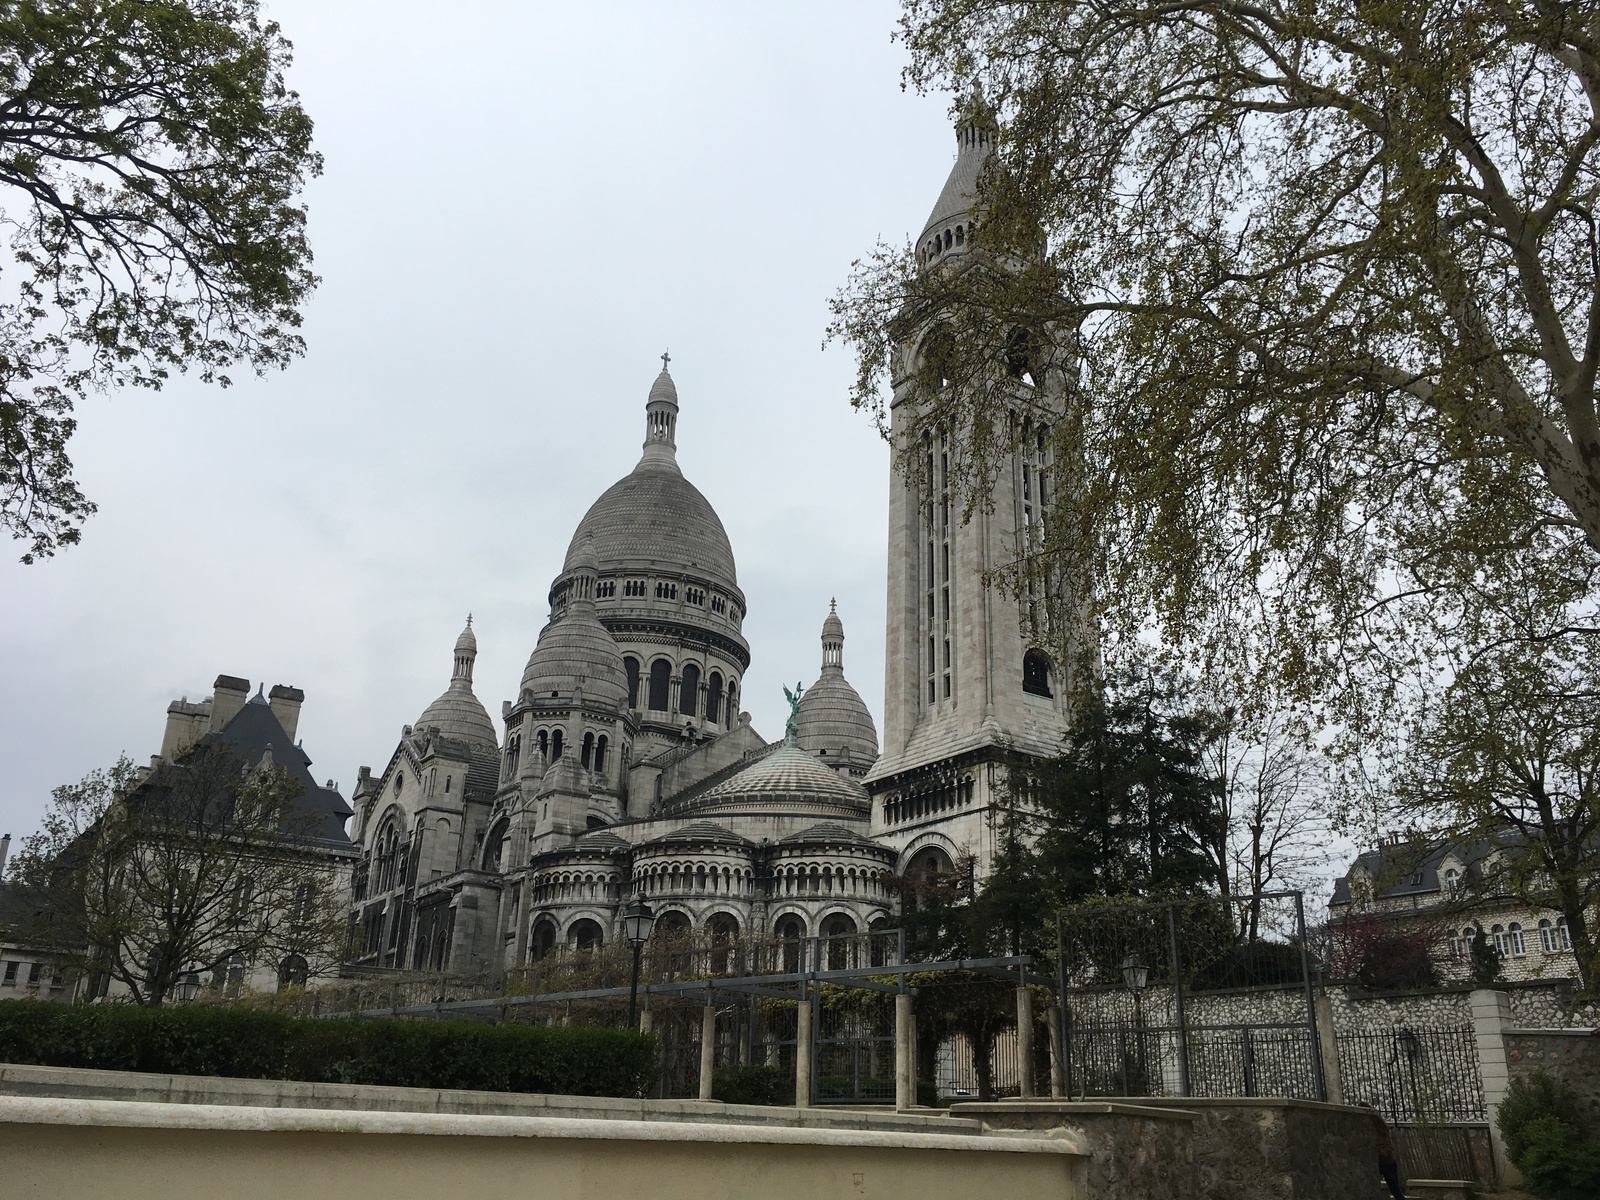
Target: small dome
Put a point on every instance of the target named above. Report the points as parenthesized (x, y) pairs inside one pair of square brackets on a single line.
[(577, 651), (663, 389), (699, 833), (787, 776), (831, 833), (832, 721), (458, 713)]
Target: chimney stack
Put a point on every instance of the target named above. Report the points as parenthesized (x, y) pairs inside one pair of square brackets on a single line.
[(5, 849), (286, 702), (228, 698)]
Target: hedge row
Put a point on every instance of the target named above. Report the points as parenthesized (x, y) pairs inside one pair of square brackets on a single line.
[(202, 1040)]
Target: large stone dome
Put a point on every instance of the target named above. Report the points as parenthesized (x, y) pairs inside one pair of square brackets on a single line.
[(786, 780), (655, 518)]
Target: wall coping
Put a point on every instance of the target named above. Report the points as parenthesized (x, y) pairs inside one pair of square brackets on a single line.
[(1069, 1107), (1181, 1103), (84, 1083), (32, 1110), (1564, 1032)]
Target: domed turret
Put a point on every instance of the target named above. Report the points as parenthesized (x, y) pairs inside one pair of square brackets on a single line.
[(575, 651), (458, 712), (833, 722), (948, 230)]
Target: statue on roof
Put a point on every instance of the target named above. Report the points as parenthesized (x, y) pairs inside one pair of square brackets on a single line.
[(791, 727)]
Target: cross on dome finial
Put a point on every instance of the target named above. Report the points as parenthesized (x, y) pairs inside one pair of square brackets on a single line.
[(833, 604), (666, 357), (469, 620)]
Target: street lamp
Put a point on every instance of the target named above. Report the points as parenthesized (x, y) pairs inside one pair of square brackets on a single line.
[(1134, 973), (637, 922), (189, 986)]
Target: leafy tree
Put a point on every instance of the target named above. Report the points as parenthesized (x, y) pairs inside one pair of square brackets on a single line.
[(1548, 1138), (151, 158), (1321, 292), (1484, 960), (1381, 955), (202, 865), (1127, 808)]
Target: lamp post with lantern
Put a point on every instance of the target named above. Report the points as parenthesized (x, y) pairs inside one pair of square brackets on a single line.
[(637, 921)]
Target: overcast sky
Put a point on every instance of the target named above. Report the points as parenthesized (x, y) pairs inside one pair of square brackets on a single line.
[(523, 205)]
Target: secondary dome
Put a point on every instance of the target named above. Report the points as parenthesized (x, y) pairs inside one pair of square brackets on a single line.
[(832, 721), (575, 650), (789, 780), (653, 517), (458, 713)]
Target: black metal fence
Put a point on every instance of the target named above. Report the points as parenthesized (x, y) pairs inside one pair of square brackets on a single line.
[(1196, 997), (1414, 1075)]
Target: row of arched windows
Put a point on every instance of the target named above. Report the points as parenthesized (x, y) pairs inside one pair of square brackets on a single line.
[(825, 881), (593, 751), (656, 879), (1510, 940), (716, 701), (954, 793), (940, 242)]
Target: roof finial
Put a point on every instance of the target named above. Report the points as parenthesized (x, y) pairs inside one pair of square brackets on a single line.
[(469, 620), (833, 604), (666, 357)]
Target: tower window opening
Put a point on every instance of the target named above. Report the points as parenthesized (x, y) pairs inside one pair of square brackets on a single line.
[(555, 743), (714, 697), (960, 235), (689, 692), (1036, 673), (600, 753), (660, 684), (544, 745), (631, 666), (587, 753)]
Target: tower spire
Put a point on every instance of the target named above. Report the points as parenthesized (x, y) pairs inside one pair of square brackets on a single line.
[(466, 653), (661, 420)]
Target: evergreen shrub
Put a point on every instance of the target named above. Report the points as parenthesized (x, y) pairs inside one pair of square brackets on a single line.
[(752, 1083), (1544, 1135), (247, 1044)]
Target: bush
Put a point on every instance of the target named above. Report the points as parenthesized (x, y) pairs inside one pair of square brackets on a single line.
[(1559, 1160), (200, 1040), (749, 1083)]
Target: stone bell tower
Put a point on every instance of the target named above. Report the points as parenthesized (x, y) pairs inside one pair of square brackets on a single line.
[(963, 684)]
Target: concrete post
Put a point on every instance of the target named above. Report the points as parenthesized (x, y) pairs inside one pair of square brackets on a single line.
[(646, 1021), (708, 1048), (1491, 1016), (1058, 1060), (1025, 1041), (905, 1047), (802, 1049), (1328, 1044)]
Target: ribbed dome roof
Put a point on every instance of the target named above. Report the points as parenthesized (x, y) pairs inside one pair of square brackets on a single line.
[(788, 773), (830, 833), (458, 713), (699, 832), (833, 716), (577, 651), (974, 144), (656, 516)]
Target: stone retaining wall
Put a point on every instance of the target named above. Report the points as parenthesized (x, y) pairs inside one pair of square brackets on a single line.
[(1571, 1055)]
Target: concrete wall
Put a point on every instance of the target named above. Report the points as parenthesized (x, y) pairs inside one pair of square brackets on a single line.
[(138, 1151)]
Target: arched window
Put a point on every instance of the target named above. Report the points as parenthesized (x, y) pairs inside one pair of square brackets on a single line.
[(840, 932), (1547, 937), (724, 931), (733, 704), (555, 744), (926, 868), (1036, 673), (600, 753), (494, 846), (543, 940), (587, 753), (689, 692), (714, 697), (585, 935), (660, 684), (1514, 939), (790, 933), (544, 744), (1019, 355), (293, 972), (1501, 943), (631, 665)]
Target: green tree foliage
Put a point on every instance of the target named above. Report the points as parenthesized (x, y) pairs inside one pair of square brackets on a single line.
[(1484, 960), (203, 865), (1546, 1138), (151, 159), (1320, 290), (1128, 808)]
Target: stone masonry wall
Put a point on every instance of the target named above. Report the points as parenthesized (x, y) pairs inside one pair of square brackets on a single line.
[(1572, 1056)]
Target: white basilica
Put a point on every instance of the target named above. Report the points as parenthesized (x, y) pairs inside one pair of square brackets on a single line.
[(624, 765)]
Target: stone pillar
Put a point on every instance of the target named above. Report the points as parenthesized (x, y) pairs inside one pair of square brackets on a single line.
[(1491, 1016), (1328, 1046), (708, 1049), (905, 1049), (646, 1021), (802, 1049), (1058, 1060), (1025, 1042)]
